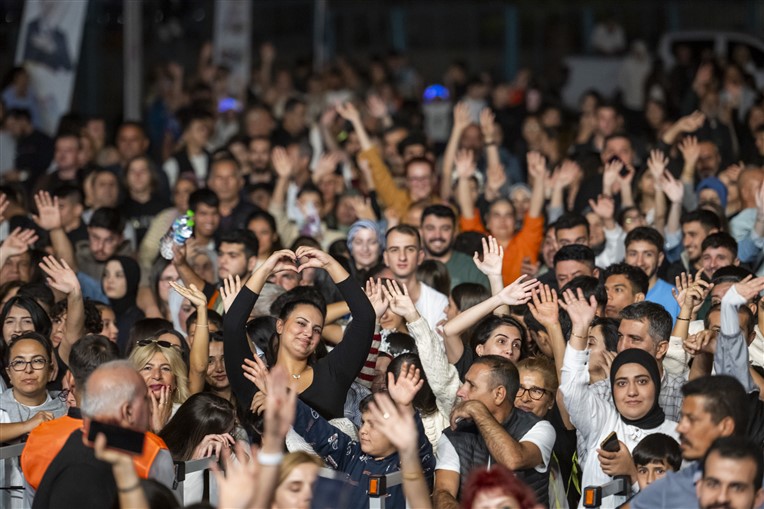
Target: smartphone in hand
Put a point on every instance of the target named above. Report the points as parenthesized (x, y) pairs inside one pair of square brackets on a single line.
[(611, 444), (123, 439)]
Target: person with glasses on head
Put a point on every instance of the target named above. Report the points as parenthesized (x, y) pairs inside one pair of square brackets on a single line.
[(162, 367), (27, 404)]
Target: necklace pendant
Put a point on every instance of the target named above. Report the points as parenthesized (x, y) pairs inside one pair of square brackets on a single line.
[(297, 376)]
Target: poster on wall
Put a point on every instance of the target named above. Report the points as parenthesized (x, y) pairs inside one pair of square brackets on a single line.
[(49, 49), (232, 42)]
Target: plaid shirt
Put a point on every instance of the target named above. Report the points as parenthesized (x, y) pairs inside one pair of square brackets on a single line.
[(670, 399)]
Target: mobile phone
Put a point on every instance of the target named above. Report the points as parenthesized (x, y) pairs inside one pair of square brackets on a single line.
[(124, 439), (610, 444)]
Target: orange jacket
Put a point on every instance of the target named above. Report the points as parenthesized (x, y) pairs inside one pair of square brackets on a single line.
[(47, 440), (525, 244)]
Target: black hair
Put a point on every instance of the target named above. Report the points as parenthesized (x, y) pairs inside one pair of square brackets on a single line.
[(646, 234), (439, 210), (466, 295), (244, 237), (503, 372), (42, 294), (418, 160), (723, 396), (68, 191), (575, 252), (213, 317), (434, 274), (609, 331), (260, 330), (720, 240), (284, 305), (412, 139), (224, 157), (738, 448), (569, 220), (469, 243), (189, 115), (89, 352), (292, 103), (40, 318), (707, 219), (108, 218), (636, 276), (19, 114), (657, 447), (490, 323), (34, 336), (400, 343), (202, 414), (404, 229), (206, 196), (659, 322), (590, 285), (730, 274), (424, 401), (742, 310)]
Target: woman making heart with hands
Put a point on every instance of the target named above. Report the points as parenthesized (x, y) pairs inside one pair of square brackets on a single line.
[(322, 384)]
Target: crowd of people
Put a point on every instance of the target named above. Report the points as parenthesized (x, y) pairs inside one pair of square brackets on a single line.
[(453, 296)]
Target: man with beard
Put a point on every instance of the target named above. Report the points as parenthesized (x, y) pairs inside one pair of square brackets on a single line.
[(438, 233), (260, 160), (644, 249), (732, 474), (696, 226)]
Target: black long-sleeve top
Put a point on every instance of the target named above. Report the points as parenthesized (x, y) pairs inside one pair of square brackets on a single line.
[(332, 375)]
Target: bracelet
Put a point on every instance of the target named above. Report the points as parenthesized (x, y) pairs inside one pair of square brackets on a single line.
[(269, 459), (489, 143), (577, 335), (412, 476), (683, 319), (202, 325), (131, 488)]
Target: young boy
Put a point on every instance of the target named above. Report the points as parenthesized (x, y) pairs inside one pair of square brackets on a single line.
[(654, 456)]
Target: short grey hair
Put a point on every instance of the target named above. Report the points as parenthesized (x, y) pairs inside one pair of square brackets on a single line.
[(104, 399)]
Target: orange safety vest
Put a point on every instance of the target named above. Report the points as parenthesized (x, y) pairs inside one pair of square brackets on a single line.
[(47, 440)]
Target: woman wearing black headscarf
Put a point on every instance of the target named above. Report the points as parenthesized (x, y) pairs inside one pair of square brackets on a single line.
[(120, 280), (633, 413)]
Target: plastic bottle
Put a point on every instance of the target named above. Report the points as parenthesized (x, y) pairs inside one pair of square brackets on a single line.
[(180, 231)]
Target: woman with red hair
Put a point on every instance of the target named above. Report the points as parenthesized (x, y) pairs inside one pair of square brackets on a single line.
[(496, 488)]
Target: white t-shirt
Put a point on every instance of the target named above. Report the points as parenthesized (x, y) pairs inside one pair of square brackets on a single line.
[(431, 305), (542, 435)]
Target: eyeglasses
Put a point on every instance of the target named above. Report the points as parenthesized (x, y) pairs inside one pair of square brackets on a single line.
[(63, 396), (159, 342), (536, 393), (37, 364)]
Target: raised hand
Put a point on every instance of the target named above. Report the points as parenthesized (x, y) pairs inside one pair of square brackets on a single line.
[(690, 150), (349, 112), (328, 117), (376, 294), (673, 188), (397, 425), (362, 208), (230, 289), (60, 276), (465, 164), (462, 117), (610, 175), (280, 406), (213, 445), (256, 372), (495, 177), (282, 163), (49, 215), (544, 306), (487, 125), (403, 389), (312, 257), (519, 292), (536, 166), (18, 242), (283, 259), (749, 288), (400, 301), (604, 207), (692, 122), (581, 311), (567, 173), (657, 163), (327, 163), (702, 342), (695, 290), (493, 257), (236, 488), (194, 295)]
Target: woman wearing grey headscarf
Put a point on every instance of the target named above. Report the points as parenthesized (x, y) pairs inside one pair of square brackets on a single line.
[(366, 242)]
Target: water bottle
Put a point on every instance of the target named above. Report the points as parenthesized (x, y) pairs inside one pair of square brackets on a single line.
[(180, 231)]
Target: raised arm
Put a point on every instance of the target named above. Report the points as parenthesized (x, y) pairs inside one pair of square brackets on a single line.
[(62, 278), (18, 242), (465, 170), (49, 218), (491, 265), (519, 292), (461, 121), (536, 172), (185, 271), (200, 347)]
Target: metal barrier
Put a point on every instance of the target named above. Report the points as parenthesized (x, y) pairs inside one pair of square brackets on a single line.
[(619, 487), (182, 469), (11, 451), (379, 486)]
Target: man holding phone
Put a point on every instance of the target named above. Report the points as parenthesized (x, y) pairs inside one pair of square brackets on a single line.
[(115, 394)]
